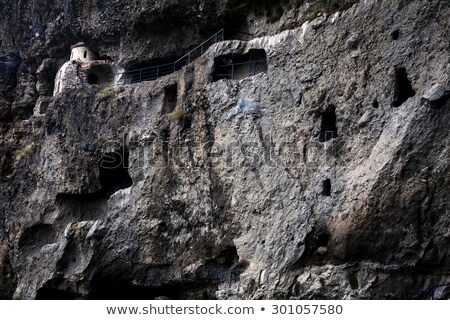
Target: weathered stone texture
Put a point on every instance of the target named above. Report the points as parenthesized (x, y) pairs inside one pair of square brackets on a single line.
[(328, 191)]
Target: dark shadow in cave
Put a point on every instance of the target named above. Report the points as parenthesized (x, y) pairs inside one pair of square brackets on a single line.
[(113, 172), (48, 293), (403, 89), (328, 129), (111, 288), (240, 66), (113, 176), (326, 187)]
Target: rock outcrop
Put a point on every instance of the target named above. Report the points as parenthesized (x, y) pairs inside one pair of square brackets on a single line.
[(334, 185)]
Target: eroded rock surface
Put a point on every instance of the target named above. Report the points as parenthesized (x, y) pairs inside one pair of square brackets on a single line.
[(338, 187)]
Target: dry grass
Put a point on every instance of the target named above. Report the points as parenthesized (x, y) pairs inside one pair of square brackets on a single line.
[(22, 153), (106, 93), (177, 114)]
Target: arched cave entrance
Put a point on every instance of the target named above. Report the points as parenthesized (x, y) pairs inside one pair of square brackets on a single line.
[(99, 74)]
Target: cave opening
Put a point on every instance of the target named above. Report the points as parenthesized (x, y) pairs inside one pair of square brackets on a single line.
[(352, 280), (170, 98), (99, 74), (149, 70), (92, 78), (226, 268), (113, 171), (186, 126), (113, 176), (403, 89), (375, 104), (118, 288), (328, 129), (228, 258), (48, 293), (323, 239), (240, 66), (326, 185), (57, 289), (315, 243), (395, 35), (113, 289), (84, 207)]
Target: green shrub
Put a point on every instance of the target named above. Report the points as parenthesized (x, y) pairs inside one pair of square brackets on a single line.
[(106, 93)]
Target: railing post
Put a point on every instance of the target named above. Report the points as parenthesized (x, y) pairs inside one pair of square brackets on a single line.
[(132, 75), (254, 67), (232, 72), (239, 283)]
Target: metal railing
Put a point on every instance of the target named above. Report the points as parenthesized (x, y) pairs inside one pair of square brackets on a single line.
[(255, 67), (229, 277), (155, 72)]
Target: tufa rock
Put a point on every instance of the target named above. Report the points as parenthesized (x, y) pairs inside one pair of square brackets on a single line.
[(437, 95)]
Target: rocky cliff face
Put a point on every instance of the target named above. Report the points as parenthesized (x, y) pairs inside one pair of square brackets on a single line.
[(324, 174)]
